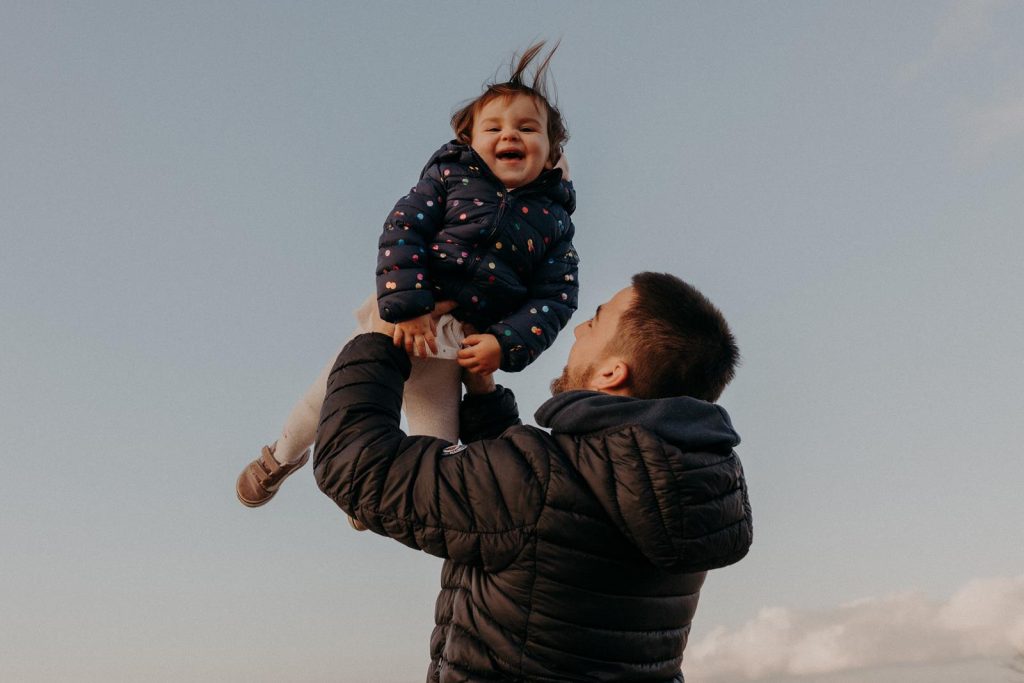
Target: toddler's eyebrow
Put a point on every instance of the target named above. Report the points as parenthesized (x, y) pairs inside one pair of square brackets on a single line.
[(529, 119), (597, 312)]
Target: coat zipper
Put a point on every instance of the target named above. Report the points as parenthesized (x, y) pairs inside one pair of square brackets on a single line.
[(486, 242)]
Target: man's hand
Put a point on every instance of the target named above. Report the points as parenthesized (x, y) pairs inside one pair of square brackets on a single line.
[(377, 324), (442, 307), (417, 335), (480, 354), (478, 384)]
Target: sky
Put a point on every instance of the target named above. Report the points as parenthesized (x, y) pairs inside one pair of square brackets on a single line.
[(190, 198)]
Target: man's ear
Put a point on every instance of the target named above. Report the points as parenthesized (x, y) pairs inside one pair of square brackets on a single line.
[(612, 376)]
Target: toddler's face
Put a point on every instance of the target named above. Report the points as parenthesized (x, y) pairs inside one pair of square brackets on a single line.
[(511, 136)]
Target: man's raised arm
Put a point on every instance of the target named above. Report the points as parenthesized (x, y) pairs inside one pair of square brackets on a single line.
[(474, 504)]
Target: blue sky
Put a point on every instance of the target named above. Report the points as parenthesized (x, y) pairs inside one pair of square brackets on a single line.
[(190, 197)]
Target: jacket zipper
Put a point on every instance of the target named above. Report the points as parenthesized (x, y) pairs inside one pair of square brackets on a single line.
[(486, 242)]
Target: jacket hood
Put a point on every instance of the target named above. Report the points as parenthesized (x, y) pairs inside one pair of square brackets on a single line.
[(549, 182), (681, 506), (687, 423)]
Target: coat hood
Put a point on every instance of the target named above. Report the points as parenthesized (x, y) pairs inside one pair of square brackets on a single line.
[(673, 488), (687, 423)]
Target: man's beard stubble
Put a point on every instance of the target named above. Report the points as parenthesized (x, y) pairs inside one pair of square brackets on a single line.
[(571, 381)]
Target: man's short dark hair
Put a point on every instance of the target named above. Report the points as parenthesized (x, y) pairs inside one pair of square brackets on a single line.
[(676, 342)]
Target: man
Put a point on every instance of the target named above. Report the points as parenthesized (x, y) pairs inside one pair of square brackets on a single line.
[(574, 555)]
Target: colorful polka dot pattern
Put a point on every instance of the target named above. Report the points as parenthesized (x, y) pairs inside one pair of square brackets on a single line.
[(458, 234)]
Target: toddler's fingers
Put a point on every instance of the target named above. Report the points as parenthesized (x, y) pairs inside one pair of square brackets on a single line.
[(410, 344), (431, 342), (423, 343), (397, 336)]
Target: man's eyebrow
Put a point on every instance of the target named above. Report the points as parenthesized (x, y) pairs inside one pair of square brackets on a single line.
[(597, 312)]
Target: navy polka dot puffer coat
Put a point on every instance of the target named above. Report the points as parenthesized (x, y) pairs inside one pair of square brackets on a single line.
[(504, 256)]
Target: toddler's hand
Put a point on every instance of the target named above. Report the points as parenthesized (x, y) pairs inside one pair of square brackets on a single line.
[(481, 353), (417, 335)]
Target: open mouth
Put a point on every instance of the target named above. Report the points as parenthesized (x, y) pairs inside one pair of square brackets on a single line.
[(510, 155)]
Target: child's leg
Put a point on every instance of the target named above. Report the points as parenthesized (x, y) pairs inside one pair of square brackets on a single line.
[(431, 400), (261, 478), (434, 389), (299, 429), (432, 396)]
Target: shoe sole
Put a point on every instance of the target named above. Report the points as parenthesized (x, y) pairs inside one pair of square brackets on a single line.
[(252, 505)]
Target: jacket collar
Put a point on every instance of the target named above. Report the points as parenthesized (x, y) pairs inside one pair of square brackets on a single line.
[(689, 423), (549, 182)]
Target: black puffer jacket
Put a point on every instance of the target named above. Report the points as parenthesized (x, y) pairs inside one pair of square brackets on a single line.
[(572, 556), (505, 256)]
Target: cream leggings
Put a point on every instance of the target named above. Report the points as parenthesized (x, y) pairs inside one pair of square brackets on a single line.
[(431, 398)]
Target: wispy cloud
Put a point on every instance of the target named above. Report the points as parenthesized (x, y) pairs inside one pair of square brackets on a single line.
[(985, 618), (963, 27), (999, 124)]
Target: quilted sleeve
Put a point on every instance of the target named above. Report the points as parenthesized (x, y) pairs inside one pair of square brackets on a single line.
[(553, 291), (486, 416), (473, 504), (403, 281)]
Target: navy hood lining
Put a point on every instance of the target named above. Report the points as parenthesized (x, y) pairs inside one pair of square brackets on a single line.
[(686, 422)]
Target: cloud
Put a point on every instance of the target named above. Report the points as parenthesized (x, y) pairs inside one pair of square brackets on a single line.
[(985, 618), (963, 27), (1000, 124)]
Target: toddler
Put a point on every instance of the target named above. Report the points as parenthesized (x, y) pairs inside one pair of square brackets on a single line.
[(483, 240)]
